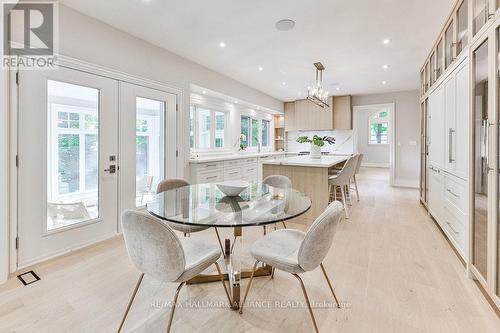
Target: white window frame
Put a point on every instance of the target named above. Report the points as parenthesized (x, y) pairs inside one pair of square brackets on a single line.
[(270, 140), (212, 129), (378, 120)]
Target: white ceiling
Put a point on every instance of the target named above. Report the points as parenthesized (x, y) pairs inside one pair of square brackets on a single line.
[(345, 35)]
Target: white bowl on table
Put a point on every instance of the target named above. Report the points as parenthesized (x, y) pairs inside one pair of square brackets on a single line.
[(233, 188)]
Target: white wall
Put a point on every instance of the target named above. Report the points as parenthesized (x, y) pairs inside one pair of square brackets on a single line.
[(373, 155), (407, 127)]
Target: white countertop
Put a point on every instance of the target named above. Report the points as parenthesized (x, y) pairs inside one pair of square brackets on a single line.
[(306, 161), (236, 156)]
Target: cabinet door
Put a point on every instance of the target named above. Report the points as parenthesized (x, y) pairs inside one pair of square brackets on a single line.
[(436, 126), (450, 130), (436, 193), (461, 136), (290, 116), (342, 113)]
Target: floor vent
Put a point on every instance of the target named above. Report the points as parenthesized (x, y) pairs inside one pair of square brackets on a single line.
[(28, 278)]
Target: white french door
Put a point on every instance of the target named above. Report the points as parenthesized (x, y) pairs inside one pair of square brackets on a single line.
[(67, 147), (148, 119)]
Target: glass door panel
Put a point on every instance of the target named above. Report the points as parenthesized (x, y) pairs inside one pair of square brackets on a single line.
[(480, 14), (422, 82), (449, 43), (481, 161), (462, 33), (440, 59), (423, 152), (427, 76)]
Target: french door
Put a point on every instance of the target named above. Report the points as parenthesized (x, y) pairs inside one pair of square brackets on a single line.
[(89, 147), (67, 147)]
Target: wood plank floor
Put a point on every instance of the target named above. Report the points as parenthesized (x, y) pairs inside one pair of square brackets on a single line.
[(390, 265)]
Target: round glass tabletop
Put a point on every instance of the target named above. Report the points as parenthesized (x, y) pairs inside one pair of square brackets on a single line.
[(206, 205)]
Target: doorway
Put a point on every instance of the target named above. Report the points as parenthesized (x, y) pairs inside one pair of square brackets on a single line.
[(373, 132)]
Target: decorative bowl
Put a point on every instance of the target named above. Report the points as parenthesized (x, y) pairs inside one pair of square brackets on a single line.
[(233, 188)]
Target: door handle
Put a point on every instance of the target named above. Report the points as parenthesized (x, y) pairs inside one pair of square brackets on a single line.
[(450, 145), (112, 169)]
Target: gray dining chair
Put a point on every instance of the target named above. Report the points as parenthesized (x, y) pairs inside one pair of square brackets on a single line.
[(343, 181), (172, 184), (281, 182), (296, 252), (156, 251), (354, 180)]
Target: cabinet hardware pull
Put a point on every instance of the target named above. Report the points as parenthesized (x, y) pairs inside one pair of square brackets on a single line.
[(210, 165), (211, 177), (452, 229), (450, 145), (454, 194)]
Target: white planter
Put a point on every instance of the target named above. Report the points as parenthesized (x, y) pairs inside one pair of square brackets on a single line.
[(315, 151)]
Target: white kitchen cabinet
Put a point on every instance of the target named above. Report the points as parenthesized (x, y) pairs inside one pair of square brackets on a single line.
[(436, 186), (457, 121), (436, 127), (245, 168)]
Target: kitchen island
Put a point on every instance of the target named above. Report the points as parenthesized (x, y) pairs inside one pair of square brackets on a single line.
[(309, 176)]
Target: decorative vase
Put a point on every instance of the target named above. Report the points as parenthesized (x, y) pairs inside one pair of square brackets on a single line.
[(315, 151)]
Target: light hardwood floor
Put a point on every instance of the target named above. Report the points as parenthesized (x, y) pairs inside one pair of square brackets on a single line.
[(390, 265)]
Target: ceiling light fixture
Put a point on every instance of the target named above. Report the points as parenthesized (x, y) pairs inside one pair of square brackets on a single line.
[(387, 41), (222, 44), (261, 69), (204, 92), (285, 25), (317, 94), (283, 83), (384, 82), (338, 88), (385, 67)]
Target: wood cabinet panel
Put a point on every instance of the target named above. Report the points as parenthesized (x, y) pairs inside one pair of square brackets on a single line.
[(342, 112)]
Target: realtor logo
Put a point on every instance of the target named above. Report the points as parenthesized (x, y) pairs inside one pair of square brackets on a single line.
[(29, 33)]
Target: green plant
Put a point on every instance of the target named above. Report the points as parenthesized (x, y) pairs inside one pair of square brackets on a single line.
[(316, 140)]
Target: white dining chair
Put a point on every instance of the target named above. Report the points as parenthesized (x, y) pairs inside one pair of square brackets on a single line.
[(296, 252), (281, 182), (354, 180), (343, 181), (172, 184), (157, 252)]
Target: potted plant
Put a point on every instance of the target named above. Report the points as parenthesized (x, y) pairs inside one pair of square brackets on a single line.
[(316, 143), (243, 138)]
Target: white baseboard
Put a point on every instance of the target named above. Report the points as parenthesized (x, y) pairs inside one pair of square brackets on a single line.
[(406, 183), (375, 165)]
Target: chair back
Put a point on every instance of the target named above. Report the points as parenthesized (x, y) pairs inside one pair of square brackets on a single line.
[(278, 181), (319, 237), (170, 184), (152, 246), (347, 171), (358, 165)]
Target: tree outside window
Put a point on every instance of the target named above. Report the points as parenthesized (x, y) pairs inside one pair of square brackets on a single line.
[(379, 128), (207, 128)]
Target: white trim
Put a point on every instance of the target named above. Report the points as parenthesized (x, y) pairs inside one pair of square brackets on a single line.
[(375, 165), (406, 183), (392, 133), (4, 179)]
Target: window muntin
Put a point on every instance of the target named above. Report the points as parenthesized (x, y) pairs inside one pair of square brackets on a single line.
[(72, 155), (150, 148), (255, 131), (379, 128), (207, 128)]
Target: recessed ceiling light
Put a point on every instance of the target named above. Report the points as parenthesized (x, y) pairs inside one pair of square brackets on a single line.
[(285, 25), (338, 88), (235, 102), (261, 69), (283, 83), (222, 44), (204, 92), (386, 41), (385, 67), (384, 82)]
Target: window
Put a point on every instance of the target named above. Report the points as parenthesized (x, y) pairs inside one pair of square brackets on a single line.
[(379, 128), (149, 148), (207, 128), (255, 130), (73, 154)]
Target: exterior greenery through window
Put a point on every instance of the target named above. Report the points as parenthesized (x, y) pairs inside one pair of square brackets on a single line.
[(206, 128), (255, 130), (379, 128)]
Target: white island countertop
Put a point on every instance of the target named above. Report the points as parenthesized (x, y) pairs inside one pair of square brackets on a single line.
[(237, 156), (306, 161)]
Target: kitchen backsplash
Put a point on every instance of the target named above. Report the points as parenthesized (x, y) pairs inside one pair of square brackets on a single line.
[(344, 141)]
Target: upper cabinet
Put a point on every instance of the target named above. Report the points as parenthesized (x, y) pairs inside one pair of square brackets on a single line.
[(462, 32), (439, 59), (480, 14), (305, 115), (449, 43)]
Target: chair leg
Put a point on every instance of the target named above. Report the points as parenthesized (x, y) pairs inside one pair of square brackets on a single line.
[(330, 285), (344, 202), (307, 301), (284, 225), (131, 301), (223, 283), (173, 306), (232, 246), (248, 286), (356, 187), (272, 273), (220, 243)]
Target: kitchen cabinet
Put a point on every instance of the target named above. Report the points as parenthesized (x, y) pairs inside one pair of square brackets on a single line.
[(305, 115), (436, 127), (436, 185)]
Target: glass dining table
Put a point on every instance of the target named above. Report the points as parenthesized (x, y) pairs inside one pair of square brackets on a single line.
[(204, 205)]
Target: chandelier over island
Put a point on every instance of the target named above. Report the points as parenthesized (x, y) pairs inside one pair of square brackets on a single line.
[(317, 93)]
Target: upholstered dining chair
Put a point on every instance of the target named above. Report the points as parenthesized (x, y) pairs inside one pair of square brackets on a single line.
[(296, 252), (172, 184), (278, 181), (358, 166), (343, 180), (157, 252)]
